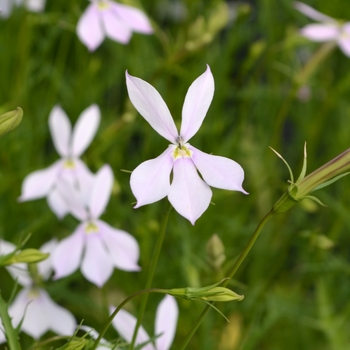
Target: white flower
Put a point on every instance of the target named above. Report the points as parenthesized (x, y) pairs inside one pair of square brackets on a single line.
[(40, 312), (108, 18), (165, 325), (70, 145), (94, 245), (32, 5)]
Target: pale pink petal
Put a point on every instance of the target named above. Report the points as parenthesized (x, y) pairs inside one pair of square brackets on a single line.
[(125, 324), (45, 266), (41, 314), (67, 255), (320, 32), (61, 130), (35, 322), (189, 194), (133, 18), (97, 265), (85, 129), (123, 248), (73, 200), (89, 28), (35, 5), (39, 183), (150, 181), (312, 13), (166, 321), (147, 100), (219, 172), (6, 8), (115, 29), (2, 335), (57, 204), (344, 39), (196, 105), (101, 191)]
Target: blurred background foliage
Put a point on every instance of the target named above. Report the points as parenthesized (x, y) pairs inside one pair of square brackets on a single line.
[(296, 280)]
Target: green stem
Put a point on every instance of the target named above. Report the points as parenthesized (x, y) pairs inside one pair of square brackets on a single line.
[(124, 302), (152, 269), (231, 273), (11, 333)]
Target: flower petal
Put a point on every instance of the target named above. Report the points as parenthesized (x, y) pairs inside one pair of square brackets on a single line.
[(150, 181), (312, 13), (45, 266), (196, 105), (219, 172), (39, 183), (67, 255), (133, 18), (97, 265), (189, 194), (85, 129), (344, 40), (89, 28), (101, 191), (35, 322), (57, 204), (6, 8), (320, 32), (35, 5), (115, 28), (166, 321), (61, 130), (148, 102), (125, 324), (123, 248)]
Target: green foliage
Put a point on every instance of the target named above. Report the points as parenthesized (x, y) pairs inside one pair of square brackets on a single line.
[(296, 288)]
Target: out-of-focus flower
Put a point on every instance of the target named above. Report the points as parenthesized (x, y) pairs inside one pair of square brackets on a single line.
[(188, 193), (94, 245), (165, 325), (107, 18), (32, 5), (328, 30), (40, 312), (70, 145)]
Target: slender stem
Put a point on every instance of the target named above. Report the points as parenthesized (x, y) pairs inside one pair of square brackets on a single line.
[(152, 269), (231, 273), (120, 306), (11, 333)]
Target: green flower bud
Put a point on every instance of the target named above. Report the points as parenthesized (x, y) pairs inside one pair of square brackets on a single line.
[(208, 293), (10, 120), (76, 344), (322, 177), (25, 256)]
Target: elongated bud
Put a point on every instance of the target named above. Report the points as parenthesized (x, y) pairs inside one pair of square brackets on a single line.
[(25, 256), (322, 177), (208, 293), (10, 120), (76, 344), (215, 252)]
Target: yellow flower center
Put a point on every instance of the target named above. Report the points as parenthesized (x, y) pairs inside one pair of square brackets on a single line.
[(69, 164), (33, 293), (102, 5), (91, 228), (182, 151)]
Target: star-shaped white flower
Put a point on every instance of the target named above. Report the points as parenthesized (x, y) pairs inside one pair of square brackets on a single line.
[(32, 5), (107, 18), (188, 193), (41, 313), (328, 30), (70, 145), (94, 245), (165, 325)]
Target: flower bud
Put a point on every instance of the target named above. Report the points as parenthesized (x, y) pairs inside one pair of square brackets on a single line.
[(25, 256), (10, 120), (215, 252), (76, 344)]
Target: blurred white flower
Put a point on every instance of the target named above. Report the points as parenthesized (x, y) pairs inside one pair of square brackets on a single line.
[(107, 18), (70, 145), (94, 245), (40, 312), (165, 325), (328, 30), (32, 5)]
